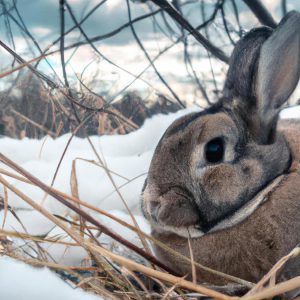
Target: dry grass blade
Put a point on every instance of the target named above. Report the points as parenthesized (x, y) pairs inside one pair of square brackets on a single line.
[(51, 265), (49, 132), (194, 274), (101, 166), (5, 205), (29, 237), (75, 192), (170, 291), (276, 290)]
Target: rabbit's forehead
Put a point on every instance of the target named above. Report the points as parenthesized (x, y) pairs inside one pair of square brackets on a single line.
[(203, 124), (219, 124)]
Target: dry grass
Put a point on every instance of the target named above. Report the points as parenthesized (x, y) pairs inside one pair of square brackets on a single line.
[(105, 271)]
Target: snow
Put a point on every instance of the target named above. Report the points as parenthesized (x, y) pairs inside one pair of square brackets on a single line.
[(127, 157), (291, 113), (39, 281)]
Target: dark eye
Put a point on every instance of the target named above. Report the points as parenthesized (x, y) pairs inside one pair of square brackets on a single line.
[(214, 150)]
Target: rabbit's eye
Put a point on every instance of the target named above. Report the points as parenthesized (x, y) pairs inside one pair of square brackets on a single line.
[(214, 150)]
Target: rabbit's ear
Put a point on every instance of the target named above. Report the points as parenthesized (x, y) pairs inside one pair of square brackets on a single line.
[(278, 67), (243, 65)]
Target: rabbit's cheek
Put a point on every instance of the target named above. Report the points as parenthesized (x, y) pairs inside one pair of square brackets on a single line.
[(251, 171), (222, 184)]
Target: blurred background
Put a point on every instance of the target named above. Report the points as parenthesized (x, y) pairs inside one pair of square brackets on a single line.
[(102, 67)]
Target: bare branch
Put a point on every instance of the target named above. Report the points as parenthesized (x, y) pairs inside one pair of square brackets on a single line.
[(174, 14), (149, 59), (62, 54), (283, 7), (261, 13)]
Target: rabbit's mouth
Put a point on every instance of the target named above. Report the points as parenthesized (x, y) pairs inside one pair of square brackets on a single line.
[(239, 215)]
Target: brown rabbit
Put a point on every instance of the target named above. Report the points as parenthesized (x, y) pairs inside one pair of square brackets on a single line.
[(229, 176)]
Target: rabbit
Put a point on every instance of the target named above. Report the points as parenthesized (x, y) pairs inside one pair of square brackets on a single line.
[(228, 177)]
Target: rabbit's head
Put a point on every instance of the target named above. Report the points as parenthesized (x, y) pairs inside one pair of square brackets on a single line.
[(210, 164)]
